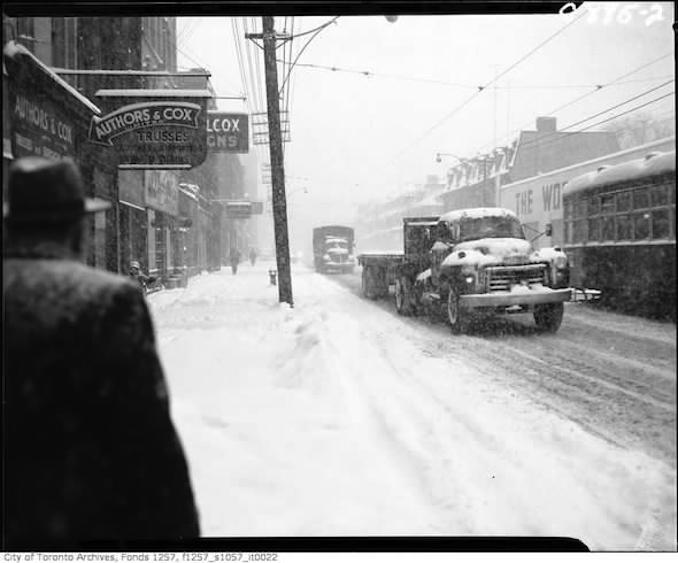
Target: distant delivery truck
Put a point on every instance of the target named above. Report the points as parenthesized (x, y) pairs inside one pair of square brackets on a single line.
[(333, 249)]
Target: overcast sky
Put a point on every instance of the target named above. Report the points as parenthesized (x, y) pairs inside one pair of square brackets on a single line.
[(356, 138)]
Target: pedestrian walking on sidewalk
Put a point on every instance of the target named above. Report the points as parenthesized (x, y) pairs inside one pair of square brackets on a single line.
[(253, 255), (90, 449), (235, 259)]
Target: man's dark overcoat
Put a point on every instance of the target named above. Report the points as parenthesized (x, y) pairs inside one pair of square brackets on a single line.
[(90, 449)]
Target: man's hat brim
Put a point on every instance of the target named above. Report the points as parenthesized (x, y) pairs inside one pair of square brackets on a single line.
[(92, 205)]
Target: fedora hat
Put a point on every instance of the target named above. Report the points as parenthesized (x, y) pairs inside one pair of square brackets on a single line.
[(47, 190)]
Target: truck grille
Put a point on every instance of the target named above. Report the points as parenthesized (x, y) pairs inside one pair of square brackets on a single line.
[(501, 278)]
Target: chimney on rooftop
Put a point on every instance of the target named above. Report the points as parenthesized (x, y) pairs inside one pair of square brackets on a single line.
[(546, 124)]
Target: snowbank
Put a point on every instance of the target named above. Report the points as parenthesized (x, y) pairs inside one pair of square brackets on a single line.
[(328, 419)]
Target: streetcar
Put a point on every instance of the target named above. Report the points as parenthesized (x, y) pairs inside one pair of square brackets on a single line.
[(620, 234)]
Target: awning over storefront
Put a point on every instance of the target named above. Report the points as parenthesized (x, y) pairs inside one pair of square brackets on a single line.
[(18, 59), (45, 116)]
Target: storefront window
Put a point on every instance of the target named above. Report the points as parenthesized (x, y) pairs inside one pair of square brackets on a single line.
[(100, 240)]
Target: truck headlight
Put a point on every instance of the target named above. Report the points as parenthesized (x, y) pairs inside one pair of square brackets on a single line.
[(560, 262), (469, 279), (326, 257)]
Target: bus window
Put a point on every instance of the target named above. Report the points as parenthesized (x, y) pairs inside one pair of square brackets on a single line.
[(641, 199), (623, 227), (623, 201), (660, 223), (641, 226)]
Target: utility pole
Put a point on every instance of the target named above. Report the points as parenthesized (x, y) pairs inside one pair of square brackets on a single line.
[(282, 248)]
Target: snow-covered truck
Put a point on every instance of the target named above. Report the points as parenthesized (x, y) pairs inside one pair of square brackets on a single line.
[(333, 249), (469, 262)]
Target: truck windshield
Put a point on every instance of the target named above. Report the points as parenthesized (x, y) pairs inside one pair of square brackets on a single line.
[(336, 244), (491, 227)]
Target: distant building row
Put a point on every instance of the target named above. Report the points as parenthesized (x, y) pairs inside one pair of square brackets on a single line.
[(526, 177)]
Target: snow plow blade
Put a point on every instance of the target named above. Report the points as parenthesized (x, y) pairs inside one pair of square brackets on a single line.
[(585, 295)]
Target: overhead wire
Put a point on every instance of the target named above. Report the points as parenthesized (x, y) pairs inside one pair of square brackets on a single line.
[(546, 141), (288, 87), (256, 55), (483, 88), (557, 136), (241, 66), (319, 28), (580, 97), (371, 74), (301, 51), (251, 69)]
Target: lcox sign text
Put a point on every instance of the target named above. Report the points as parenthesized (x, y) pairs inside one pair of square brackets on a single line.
[(227, 132)]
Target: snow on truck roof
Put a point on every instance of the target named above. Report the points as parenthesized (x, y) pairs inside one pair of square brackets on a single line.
[(653, 164), (476, 213)]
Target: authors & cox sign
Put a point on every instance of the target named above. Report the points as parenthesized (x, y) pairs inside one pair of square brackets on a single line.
[(143, 116), (153, 129)]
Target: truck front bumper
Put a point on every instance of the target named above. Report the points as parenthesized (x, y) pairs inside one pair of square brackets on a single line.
[(524, 298)]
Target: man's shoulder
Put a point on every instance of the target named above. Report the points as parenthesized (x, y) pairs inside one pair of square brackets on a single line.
[(69, 273)]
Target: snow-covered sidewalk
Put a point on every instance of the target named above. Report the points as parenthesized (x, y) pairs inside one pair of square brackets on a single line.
[(327, 419)]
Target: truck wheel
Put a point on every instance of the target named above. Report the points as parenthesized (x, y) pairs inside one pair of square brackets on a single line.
[(548, 317), (455, 315), (368, 283), (403, 296)]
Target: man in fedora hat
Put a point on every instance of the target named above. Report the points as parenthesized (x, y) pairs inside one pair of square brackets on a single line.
[(90, 449)]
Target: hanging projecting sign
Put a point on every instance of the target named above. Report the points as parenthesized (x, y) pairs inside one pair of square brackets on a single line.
[(227, 132), (162, 191), (243, 209), (153, 133), (40, 128)]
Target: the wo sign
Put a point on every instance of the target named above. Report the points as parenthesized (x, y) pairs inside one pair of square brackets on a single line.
[(227, 132)]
